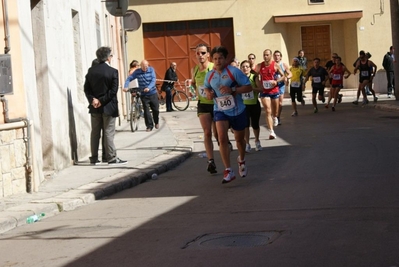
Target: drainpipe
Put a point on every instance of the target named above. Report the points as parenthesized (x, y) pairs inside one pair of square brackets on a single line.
[(27, 139), (5, 24)]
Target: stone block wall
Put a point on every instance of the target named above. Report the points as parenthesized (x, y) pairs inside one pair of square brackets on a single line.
[(12, 162)]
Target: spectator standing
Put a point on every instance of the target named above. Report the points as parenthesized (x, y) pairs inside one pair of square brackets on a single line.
[(387, 63), (225, 85), (167, 86), (134, 65), (101, 88), (149, 96)]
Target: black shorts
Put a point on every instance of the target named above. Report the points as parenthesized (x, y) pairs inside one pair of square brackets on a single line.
[(204, 109), (319, 90)]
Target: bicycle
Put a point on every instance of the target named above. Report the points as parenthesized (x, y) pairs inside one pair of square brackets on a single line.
[(180, 100), (136, 109)]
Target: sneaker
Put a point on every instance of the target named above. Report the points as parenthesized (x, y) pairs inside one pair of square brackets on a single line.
[(97, 162), (117, 161), (323, 99), (365, 102), (279, 121), (248, 148), (389, 96), (333, 108), (315, 110), (242, 169), (258, 147), (230, 146), (294, 114), (228, 176), (275, 121), (272, 135), (375, 99), (211, 166), (303, 102), (340, 98), (355, 102)]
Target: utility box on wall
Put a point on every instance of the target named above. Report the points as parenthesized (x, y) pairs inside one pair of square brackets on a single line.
[(5, 75)]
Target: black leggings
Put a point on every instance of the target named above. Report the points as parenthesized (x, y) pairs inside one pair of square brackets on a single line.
[(253, 115)]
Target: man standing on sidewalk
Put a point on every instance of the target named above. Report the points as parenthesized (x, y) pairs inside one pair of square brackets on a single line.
[(225, 84), (168, 83), (387, 63), (101, 88)]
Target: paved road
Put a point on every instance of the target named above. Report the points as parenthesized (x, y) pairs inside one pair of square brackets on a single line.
[(324, 193)]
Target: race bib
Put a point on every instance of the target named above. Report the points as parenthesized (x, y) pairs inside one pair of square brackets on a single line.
[(225, 103), (248, 96), (268, 84), (201, 91), (316, 79), (364, 73), (296, 84), (336, 77)]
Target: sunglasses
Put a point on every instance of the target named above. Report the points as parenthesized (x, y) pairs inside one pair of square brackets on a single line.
[(201, 53)]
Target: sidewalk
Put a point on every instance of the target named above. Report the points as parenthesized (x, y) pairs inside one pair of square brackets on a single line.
[(147, 153)]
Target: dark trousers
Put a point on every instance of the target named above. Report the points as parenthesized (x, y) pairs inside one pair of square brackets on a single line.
[(150, 101), (101, 121), (168, 92), (391, 81)]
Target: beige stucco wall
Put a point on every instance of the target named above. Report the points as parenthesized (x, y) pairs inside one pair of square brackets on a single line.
[(255, 29)]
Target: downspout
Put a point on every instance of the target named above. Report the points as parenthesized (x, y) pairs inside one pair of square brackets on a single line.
[(26, 121)]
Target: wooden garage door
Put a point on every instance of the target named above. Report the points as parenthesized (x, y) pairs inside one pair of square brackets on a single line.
[(316, 42), (176, 41)]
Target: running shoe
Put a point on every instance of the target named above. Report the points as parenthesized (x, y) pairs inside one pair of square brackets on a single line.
[(258, 147), (294, 114), (340, 98), (211, 167), (315, 110), (356, 102), (279, 121), (272, 135), (242, 169), (275, 121), (389, 96), (228, 176), (323, 99), (333, 108), (248, 148), (375, 99)]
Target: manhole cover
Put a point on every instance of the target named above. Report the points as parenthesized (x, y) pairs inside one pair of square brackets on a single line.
[(230, 240)]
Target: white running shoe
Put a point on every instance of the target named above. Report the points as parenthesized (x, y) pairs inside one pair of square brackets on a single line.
[(275, 121), (258, 147), (248, 148), (242, 169), (228, 176), (272, 135)]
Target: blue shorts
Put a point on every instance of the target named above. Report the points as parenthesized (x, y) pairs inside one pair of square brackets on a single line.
[(238, 122), (281, 90), (271, 96)]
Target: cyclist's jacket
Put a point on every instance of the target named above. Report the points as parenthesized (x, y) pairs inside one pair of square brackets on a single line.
[(146, 79), (231, 105), (199, 77)]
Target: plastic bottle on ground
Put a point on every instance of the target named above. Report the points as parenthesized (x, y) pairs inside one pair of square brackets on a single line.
[(34, 218)]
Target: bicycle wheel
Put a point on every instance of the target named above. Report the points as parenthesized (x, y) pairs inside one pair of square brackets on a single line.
[(180, 100), (134, 117)]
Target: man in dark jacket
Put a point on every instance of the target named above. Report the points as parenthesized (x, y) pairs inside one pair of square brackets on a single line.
[(387, 63), (170, 78), (101, 87)]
